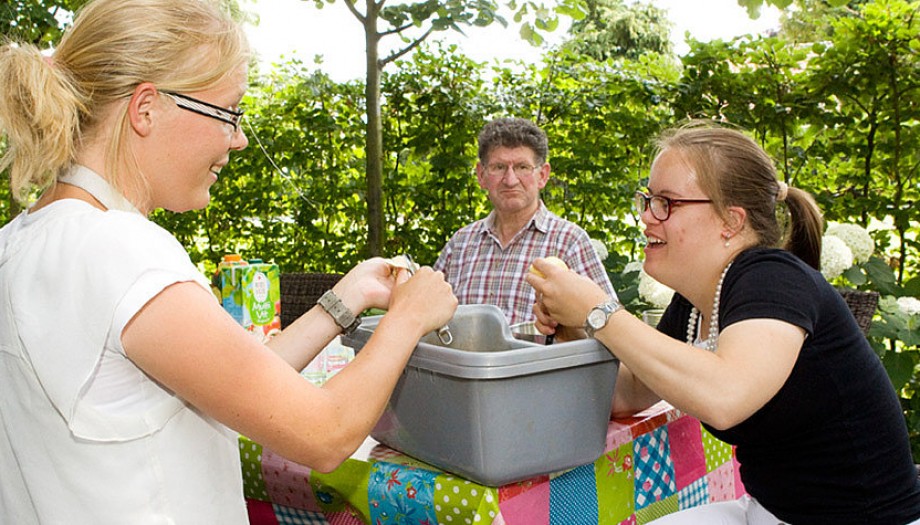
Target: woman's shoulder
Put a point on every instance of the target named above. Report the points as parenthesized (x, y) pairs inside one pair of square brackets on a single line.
[(767, 264), (76, 229)]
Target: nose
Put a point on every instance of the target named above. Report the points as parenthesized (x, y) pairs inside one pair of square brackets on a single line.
[(509, 172), (239, 140)]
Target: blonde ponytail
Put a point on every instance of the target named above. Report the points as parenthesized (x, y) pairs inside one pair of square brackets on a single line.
[(40, 115)]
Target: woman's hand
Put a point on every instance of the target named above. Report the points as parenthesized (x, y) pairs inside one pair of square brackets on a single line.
[(426, 297), (563, 296), (368, 285)]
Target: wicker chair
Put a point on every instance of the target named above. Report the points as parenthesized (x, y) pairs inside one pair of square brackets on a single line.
[(300, 291), (863, 305)]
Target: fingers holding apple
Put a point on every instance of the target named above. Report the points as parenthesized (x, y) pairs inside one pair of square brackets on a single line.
[(556, 261)]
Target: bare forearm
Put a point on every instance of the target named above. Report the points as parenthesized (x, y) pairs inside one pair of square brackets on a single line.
[(300, 342), (630, 394)]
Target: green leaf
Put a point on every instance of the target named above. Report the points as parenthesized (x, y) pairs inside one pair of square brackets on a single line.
[(900, 367), (855, 275)]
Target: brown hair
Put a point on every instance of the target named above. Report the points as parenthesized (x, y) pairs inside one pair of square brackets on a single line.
[(47, 107), (509, 132), (733, 170)]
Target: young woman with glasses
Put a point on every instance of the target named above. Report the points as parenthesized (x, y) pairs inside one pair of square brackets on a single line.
[(755, 343), (120, 375)]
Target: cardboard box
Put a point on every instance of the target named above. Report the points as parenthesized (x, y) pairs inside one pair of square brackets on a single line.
[(261, 294)]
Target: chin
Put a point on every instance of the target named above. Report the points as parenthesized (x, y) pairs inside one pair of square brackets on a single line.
[(190, 205)]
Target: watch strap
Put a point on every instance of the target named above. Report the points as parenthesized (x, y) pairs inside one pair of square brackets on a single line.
[(340, 313), (608, 307)]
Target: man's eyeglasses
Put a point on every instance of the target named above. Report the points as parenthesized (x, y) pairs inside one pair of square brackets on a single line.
[(661, 206), (209, 110), (520, 170)]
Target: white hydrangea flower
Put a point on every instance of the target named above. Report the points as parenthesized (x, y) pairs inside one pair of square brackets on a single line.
[(856, 238), (836, 257), (909, 305), (632, 266), (600, 249), (654, 292)]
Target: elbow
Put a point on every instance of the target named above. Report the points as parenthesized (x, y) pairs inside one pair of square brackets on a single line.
[(720, 424), (328, 464), (723, 416), (332, 455)]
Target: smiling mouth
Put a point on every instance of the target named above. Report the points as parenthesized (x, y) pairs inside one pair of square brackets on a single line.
[(654, 241)]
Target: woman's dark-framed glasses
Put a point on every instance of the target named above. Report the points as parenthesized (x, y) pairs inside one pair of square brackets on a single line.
[(209, 110), (661, 206)]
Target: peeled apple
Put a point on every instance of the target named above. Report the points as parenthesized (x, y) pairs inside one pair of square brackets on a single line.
[(552, 260)]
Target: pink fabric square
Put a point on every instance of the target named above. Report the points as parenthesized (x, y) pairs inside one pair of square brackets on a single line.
[(618, 434), (721, 483), (687, 453), (260, 512), (287, 483), (631, 520), (736, 470), (528, 506)]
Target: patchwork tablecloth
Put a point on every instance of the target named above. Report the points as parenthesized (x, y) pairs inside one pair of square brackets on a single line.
[(654, 464)]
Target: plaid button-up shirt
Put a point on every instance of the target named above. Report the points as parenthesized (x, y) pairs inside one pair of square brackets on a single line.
[(481, 271)]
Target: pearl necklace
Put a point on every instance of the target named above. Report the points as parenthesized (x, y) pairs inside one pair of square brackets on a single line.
[(710, 343)]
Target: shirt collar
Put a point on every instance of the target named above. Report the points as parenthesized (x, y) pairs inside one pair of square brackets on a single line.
[(91, 182), (539, 221)]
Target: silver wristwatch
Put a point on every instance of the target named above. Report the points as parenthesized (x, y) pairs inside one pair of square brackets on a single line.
[(600, 314), (339, 312)]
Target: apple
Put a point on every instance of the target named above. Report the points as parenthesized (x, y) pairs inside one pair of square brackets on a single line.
[(552, 260)]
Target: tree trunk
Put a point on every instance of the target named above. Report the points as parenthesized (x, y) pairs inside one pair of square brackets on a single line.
[(374, 136)]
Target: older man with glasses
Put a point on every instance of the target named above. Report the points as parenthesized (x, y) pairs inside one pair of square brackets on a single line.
[(486, 261)]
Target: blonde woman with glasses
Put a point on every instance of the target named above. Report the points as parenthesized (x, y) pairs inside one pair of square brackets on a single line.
[(755, 343), (120, 375)]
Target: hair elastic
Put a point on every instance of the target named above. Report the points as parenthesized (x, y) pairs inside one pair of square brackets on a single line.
[(782, 191)]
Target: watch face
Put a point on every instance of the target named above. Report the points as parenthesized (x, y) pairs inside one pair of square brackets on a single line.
[(597, 318)]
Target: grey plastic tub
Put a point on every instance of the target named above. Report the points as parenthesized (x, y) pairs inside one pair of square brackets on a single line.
[(494, 409)]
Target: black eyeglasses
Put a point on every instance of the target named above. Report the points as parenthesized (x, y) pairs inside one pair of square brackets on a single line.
[(209, 110), (660, 206)]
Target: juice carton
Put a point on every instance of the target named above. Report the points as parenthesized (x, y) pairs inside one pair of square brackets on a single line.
[(230, 284), (333, 358), (261, 290)]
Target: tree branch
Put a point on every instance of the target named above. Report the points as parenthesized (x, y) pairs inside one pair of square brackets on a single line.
[(406, 49), (351, 7), (395, 30)]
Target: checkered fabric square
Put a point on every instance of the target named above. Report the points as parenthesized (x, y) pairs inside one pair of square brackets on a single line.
[(694, 494), (654, 468), (292, 516)]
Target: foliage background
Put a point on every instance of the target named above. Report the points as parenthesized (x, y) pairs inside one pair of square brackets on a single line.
[(834, 97)]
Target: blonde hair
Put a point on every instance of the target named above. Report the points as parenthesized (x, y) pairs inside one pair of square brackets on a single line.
[(733, 170), (49, 106)]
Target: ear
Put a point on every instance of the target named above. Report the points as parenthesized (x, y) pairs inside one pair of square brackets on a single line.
[(143, 109), (543, 175), (735, 221), (481, 174)]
